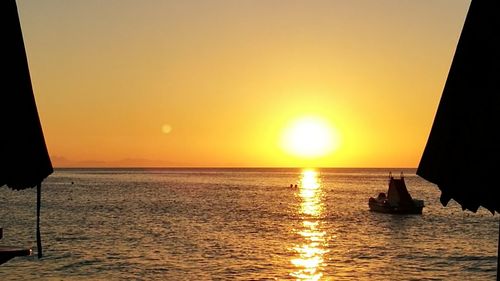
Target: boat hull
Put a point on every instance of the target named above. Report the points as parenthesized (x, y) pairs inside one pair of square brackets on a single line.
[(384, 207)]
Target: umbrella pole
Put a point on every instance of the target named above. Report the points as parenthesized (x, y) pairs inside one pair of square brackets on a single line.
[(38, 203)]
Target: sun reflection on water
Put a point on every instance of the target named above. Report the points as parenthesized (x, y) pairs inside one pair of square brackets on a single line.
[(309, 260)]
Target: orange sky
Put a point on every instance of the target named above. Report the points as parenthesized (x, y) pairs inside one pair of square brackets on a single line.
[(215, 83)]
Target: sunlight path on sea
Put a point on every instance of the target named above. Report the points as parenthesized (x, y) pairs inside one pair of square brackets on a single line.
[(309, 259)]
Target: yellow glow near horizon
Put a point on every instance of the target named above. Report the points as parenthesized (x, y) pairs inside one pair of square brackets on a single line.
[(310, 137)]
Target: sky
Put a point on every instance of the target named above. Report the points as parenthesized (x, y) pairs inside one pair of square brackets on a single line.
[(222, 83)]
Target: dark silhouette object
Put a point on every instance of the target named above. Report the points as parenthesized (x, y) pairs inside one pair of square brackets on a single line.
[(463, 149), (397, 201), (24, 160), (7, 253)]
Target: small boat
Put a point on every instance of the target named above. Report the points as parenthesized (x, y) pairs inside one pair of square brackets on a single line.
[(7, 253), (397, 200)]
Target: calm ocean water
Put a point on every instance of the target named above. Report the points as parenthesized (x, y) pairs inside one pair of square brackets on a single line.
[(241, 224)]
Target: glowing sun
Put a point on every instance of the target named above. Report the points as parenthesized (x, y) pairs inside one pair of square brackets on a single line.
[(310, 137)]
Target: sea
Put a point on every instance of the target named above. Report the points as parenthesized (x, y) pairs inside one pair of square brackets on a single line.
[(241, 224)]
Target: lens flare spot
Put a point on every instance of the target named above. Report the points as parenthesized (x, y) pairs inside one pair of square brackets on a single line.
[(166, 129)]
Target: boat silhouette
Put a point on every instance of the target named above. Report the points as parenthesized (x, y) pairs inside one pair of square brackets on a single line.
[(397, 200)]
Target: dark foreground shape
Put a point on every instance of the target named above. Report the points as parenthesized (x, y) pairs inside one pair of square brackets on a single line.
[(24, 159), (397, 201), (7, 253), (464, 140)]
